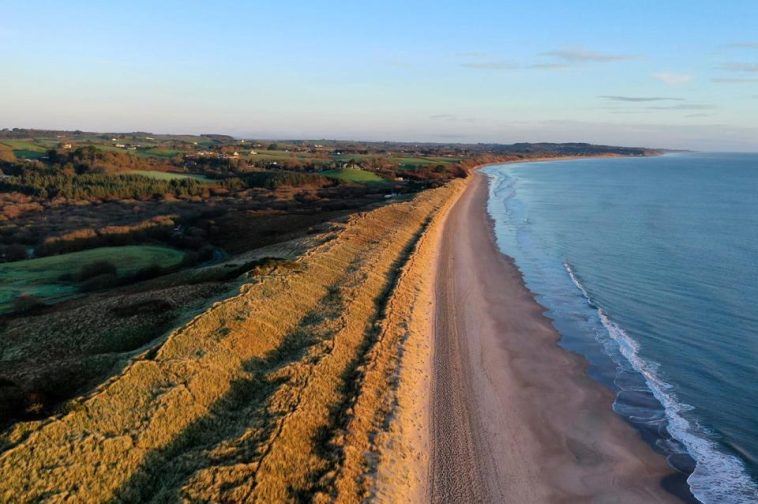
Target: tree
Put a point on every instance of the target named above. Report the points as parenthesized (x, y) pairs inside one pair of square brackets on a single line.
[(15, 252), (6, 154), (25, 303)]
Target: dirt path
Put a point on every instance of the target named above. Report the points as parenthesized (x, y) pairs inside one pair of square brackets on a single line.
[(514, 418)]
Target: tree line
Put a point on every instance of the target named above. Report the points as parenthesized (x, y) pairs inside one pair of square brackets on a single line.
[(98, 186)]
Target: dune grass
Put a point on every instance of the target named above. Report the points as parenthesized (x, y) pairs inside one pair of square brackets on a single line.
[(46, 277), (255, 400)]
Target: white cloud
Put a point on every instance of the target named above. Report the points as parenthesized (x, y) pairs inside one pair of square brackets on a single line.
[(734, 81), (491, 65), (635, 99), (672, 78), (580, 55), (450, 118), (743, 45), (685, 106), (740, 67)]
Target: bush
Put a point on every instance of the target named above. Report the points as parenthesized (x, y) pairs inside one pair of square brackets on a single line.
[(273, 180), (96, 269), (14, 252), (100, 282), (25, 304), (149, 272)]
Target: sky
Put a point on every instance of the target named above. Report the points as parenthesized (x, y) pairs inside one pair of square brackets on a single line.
[(665, 73)]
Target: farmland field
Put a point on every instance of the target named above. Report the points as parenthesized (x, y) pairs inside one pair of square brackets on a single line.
[(159, 175), (159, 153), (42, 277), (28, 153), (353, 175), (24, 149), (283, 155)]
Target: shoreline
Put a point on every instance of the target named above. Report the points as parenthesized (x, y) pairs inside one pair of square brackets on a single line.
[(675, 483), (511, 415), (506, 345)]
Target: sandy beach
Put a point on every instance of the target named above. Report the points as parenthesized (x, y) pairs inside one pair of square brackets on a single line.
[(512, 417)]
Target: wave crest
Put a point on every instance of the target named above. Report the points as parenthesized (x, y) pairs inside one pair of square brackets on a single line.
[(718, 477)]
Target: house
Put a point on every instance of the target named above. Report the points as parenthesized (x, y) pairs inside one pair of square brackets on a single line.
[(67, 146)]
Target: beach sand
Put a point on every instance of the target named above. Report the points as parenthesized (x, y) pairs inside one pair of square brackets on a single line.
[(490, 408)]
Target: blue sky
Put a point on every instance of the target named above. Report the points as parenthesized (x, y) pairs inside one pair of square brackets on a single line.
[(680, 74)]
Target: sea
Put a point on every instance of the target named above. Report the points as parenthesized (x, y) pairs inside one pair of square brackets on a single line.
[(648, 267)]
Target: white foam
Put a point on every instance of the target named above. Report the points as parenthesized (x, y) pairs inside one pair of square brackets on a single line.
[(718, 477)]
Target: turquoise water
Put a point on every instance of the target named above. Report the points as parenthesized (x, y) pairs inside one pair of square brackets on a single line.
[(649, 268)]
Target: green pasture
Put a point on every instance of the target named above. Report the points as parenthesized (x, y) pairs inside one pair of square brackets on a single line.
[(24, 149), (42, 277), (353, 175), (160, 175), (158, 152)]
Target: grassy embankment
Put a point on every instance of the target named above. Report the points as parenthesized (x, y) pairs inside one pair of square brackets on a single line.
[(49, 278), (273, 395)]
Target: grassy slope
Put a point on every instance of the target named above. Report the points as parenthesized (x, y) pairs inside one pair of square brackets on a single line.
[(253, 400), (353, 175), (40, 277)]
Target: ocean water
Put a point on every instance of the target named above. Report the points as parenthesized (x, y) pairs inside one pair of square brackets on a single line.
[(649, 268)]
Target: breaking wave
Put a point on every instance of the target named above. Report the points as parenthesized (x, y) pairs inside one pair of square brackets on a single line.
[(718, 477)]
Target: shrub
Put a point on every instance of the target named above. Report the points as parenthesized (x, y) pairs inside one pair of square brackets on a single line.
[(14, 252), (25, 304), (96, 269), (273, 180), (99, 282), (148, 272)]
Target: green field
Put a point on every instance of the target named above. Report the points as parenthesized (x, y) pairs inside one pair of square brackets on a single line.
[(159, 152), (24, 145), (24, 149), (425, 160), (282, 156), (159, 175), (353, 175), (42, 277), (28, 154)]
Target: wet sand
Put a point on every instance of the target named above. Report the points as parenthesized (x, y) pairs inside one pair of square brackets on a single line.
[(512, 416)]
